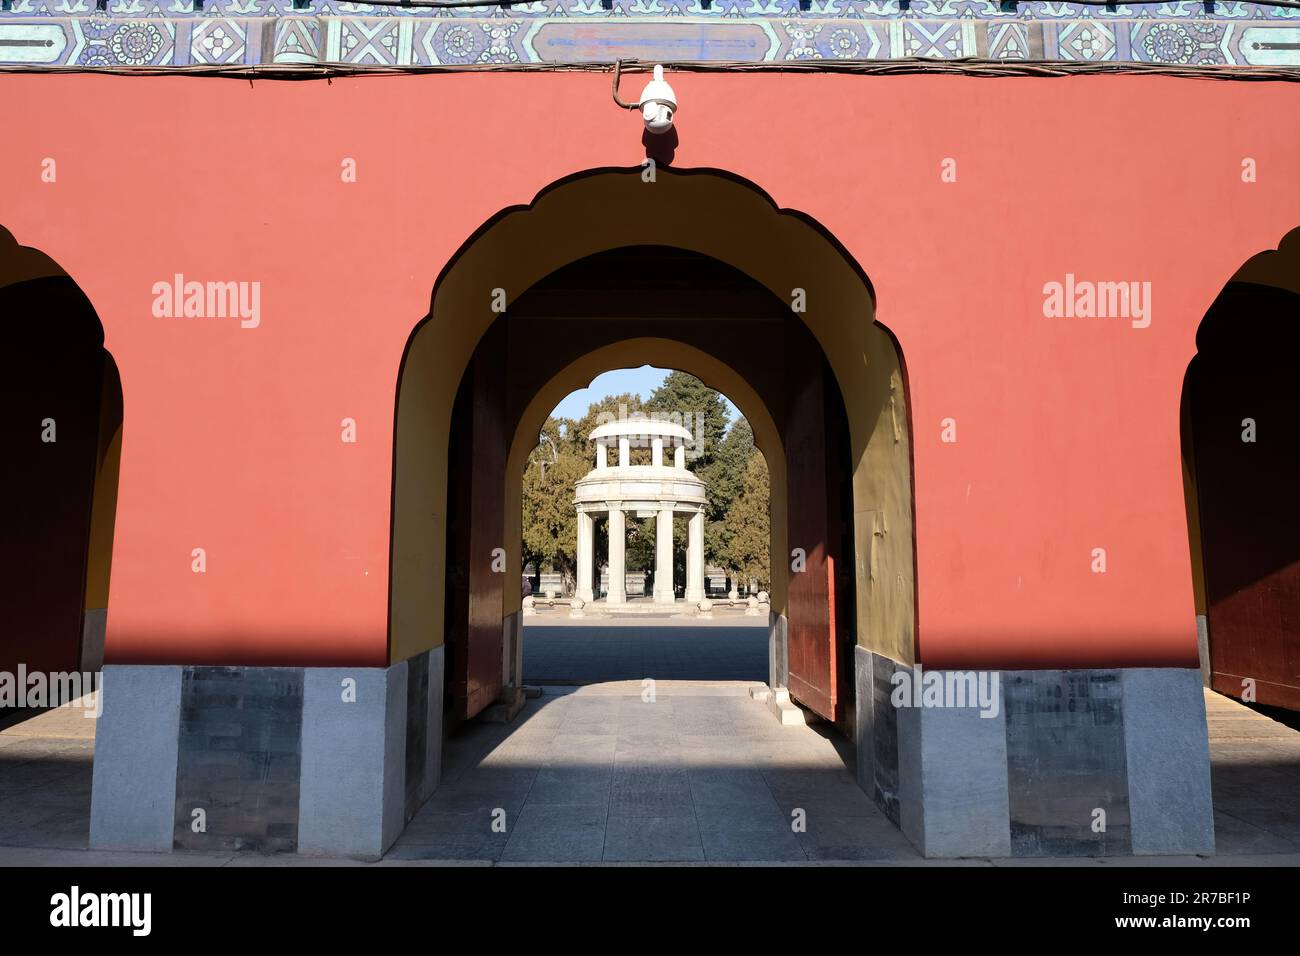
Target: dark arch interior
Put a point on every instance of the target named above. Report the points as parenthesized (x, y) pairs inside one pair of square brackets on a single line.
[(1248, 492), (670, 293), (62, 404), (650, 290)]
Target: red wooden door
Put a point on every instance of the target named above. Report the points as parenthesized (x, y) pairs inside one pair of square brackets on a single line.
[(476, 529), (815, 433)]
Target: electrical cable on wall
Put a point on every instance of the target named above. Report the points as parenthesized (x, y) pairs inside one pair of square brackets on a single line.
[(965, 66), (455, 4)]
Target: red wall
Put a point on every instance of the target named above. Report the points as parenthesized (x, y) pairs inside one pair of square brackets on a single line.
[(1067, 428)]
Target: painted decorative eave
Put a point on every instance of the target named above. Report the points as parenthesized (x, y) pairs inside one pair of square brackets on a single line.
[(144, 33)]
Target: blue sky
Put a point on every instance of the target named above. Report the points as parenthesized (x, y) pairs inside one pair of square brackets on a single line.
[(642, 381)]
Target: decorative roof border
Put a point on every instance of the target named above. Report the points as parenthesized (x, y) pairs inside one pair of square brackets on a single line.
[(660, 9), (106, 41)]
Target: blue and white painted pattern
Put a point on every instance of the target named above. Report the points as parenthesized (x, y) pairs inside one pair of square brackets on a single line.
[(171, 33), (717, 10)]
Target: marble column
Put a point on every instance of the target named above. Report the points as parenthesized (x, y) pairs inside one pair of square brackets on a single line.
[(624, 452), (586, 542), (617, 567), (602, 453), (657, 452), (679, 456), (664, 557), (695, 558)]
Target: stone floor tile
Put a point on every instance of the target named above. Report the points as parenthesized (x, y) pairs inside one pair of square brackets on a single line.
[(557, 833), (572, 786), (653, 838)]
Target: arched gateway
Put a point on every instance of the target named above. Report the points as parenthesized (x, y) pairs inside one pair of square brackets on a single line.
[(656, 490)]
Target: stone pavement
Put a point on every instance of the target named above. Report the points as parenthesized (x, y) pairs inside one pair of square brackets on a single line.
[(702, 776), (1255, 765), (45, 766), (597, 773), (560, 651)]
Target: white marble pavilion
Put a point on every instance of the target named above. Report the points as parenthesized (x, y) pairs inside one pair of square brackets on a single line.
[(656, 490)]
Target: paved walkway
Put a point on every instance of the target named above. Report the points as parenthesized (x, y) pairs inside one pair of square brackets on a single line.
[(595, 774), (45, 764), (700, 773), (1256, 774), (560, 652)]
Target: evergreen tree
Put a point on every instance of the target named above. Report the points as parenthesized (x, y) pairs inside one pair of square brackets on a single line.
[(684, 399), (749, 549), (550, 523)]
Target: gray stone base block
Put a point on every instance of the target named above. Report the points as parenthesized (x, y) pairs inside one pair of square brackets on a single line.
[(1203, 647), (133, 790), (864, 723), (778, 661), (239, 759), (1073, 762), (94, 624), (1168, 768), (952, 781), (1067, 763), (432, 773), (512, 650), (327, 761), (423, 728), (352, 795), (876, 731)]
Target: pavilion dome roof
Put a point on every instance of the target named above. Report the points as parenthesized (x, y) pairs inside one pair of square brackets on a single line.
[(640, 428)]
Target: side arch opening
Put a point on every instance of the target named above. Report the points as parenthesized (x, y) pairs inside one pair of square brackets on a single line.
[(1241, 464), (62, 400)]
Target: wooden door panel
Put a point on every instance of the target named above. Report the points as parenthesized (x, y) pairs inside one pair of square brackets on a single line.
[(810, 505), (476, 513)]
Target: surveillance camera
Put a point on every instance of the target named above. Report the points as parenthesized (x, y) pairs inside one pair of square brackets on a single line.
[(658, 103)]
